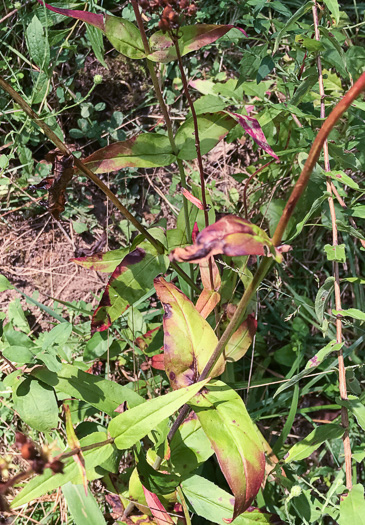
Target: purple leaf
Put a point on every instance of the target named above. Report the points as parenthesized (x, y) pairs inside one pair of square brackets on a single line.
[(85, 16), (253, 128)]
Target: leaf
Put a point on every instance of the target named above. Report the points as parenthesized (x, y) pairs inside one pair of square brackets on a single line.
[(235, 441), (317, 359), (354, 313), (102, 394), (74, 443), (241, 340), (131, 426), (212, 128), (191, 38), (188, 339), (16, 315), (215, 504), (153, 480), (18, 354), (37, 44), (5, 284), (352, 507), (95, 459), (85, 16), (253, 128), (146, 150), (266, 66), (131, 279), (58, 335), (354, 405), (335, 253), (102, 262), (294, 18), (157, 509), (124, 36), (322, 297), (207, 301), (309, 444), (231, 236), (334, 9), (83, 508), (36, 404), (95, 38), (341, 177)]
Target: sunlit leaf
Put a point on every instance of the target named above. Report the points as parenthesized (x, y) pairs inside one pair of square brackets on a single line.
[(235, 441), (241, 340), (102, 262), (309, 444), (188, 339), (352, 507), (157, 509), (354, 313), (36, 404), (74, 443), (124, 36)]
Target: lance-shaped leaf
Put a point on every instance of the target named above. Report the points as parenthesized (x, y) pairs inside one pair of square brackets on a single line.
[(131, 279), (134, 424), (211, 280), (146, 150), (122, 34), (235, 441), (253, 128), (188, 339), (191, 38), (231, 236), (102, 262), (213, 127), (74, 443), (158, 510), (241, 340)]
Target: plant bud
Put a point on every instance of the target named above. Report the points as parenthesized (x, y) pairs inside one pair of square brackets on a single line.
[(38, 465), (28, 451), (164, 24), (167, 11), (56, 467)]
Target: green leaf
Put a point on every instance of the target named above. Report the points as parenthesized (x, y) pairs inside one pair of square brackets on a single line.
[(5, 284), (308, 445), (341, 177), (356, 211), (292, 20), (102, 262), (188, 338), (212, 128), (354, 313), (83, 508), (333, 8), (37, 45), (344, 227), (17, 316), (95, 460), (266, 66), (322, 297), (36, 404), (96, 346), (215, 504), (58, 335), (335, 253), (155, 481), (147, 150), (95, 37), (128, 283), (124, 36), (134, 424), (352, 507), (18, 354), (235, 441), (317, 359), (354, 405), (102, 394)]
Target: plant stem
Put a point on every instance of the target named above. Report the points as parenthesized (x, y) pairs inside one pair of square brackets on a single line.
[(81, 167), (77, 450), (266, 263), (341, 364)]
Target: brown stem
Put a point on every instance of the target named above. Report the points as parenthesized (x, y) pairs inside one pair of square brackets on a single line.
[(77, 450), (341, 364)]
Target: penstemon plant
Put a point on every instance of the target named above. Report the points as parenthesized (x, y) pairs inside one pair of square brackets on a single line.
[(203, 333)]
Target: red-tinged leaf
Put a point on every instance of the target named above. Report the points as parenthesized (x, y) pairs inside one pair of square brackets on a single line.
[(93, 19), (231, 236), (146, 150), (158, 510), (188, 339), (235, 441), (131, 279), (194, 200), (195, 232), (191, 38), (144, 341), (241, 340), (158, 362), (102, 262), (125, 37), (205, 274), (207, 301), (253, 128), (73, 443)]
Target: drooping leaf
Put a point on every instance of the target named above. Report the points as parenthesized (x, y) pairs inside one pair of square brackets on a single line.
[(207, 301), (253, 128), (191, 38), (157, 509), (154, 480), (96, 20), (352, 507), (131, 426), (102, 262), (102, 394), (95, 459), (235, 441), (36, 404), (241, 340), (308, 445), (131, 279), (147, 150), (215, 504), (354, 313), (317, 359), (188, 339), (83, 508), (231, 236), (322, 297), (341, 177), (213, 127)]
